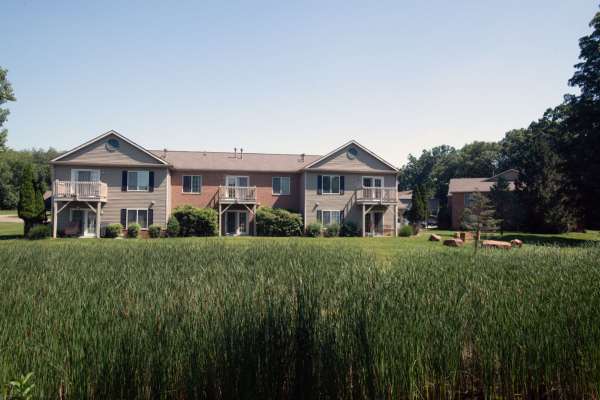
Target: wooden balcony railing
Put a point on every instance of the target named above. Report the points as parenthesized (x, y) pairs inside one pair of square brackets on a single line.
[(74, 190), (377, 195), (237, 194)]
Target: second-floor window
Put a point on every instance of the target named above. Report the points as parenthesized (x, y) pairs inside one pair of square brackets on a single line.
[(192, 183), (281, 185), (138, 181), (331, 184)]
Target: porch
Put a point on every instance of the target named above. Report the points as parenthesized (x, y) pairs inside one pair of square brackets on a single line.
[(237, 209), (83, 202)]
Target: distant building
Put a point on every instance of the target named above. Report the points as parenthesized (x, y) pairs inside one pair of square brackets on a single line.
[(461, 190)]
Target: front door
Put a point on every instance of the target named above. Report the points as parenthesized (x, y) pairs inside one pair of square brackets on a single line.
[(236, 223)]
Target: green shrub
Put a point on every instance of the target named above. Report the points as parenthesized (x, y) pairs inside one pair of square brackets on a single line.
[(173, 227), (406, 231), (195, 221), (154, 231), (113, 230), (332, 230), (349, 228), (314, 230), (133, 230), (278, 222), (39, 232)]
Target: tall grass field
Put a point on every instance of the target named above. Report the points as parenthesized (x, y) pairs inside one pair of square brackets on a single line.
[(294, 319)]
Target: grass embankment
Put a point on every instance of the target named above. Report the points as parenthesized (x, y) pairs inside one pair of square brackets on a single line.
[(295, 319)]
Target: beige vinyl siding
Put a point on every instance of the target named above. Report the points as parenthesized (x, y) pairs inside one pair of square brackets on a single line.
[(97, 154), (111, 210), (345, 202), (363, 161)]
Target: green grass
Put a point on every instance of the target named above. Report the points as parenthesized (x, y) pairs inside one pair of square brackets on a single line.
[(294, 319), (8, 212)]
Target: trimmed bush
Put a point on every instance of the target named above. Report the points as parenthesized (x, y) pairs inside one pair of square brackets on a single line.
[(332, 230), (406, 231), (133, 231), (349, 228), (278, 222), (314, 230), (195, 221), (39, 232), (113, 230), (173, 227), (154, 231)]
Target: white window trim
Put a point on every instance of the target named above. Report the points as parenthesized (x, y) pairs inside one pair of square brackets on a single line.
[(330, 211), (200, 188), (138, 190), (236, 179), (330, 185), (372, 178), (280, 178), (74, 172), (136, 216)]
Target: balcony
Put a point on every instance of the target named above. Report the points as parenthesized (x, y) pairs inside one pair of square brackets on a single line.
[(237, 194), (80, 191), (374, 195)]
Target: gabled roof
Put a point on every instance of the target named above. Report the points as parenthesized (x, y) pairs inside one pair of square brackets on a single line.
[(109, 133), (228, 161), (355, 143), (483, 185)]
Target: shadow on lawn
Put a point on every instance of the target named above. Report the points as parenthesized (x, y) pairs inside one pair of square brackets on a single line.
[(548, 240)]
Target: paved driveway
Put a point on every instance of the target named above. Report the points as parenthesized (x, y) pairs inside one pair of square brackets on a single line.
[(10, 218)]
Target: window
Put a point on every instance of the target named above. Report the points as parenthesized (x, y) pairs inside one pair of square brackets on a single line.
[(372, 181), (330, 217), (139, 216), (331, 184), (238, 181), (138, 181), (468, 199), (85, 175), (281, 185), (192, 184)]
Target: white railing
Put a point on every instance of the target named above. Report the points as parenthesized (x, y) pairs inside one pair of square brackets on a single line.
[(237, 193), (384, 195), (80, 190)]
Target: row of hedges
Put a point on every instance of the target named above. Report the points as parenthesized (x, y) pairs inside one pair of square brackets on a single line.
[(193, 221), (346, 229)]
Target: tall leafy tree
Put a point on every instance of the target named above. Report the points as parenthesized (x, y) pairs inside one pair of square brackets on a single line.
[(31, 207), (542, 188), (580, 140), (6, 94), (418, 210), (502, 199)]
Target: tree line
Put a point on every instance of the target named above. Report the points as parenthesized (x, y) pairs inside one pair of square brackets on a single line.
[(558, 187)]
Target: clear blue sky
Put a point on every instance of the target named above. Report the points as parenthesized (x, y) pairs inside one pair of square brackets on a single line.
[(282, 76)]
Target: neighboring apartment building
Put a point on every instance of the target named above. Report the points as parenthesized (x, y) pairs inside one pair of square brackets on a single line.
[(461, 190), (110, 179)]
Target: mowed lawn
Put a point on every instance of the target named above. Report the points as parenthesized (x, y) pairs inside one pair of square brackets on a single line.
[(343, 318)]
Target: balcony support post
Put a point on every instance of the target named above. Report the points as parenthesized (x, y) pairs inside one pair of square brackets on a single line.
[(220, 216), (54, 219), (254, 219), (363, 220), (98, 220), (395, 219)]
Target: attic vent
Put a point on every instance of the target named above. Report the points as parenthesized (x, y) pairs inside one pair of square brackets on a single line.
[(112, 145), (352, 153)]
